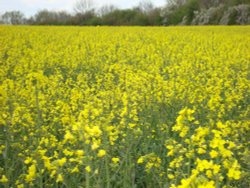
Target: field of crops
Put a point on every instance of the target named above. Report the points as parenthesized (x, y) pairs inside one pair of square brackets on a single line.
[(125, 107)]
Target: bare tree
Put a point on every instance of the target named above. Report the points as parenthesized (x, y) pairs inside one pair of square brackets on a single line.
[(175, 2), (146, 6), (1, 19), (83, 6), (13, 17), (46, 17), (106, 9)]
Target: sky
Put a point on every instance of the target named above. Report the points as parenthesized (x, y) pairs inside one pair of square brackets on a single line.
[(30, 7)]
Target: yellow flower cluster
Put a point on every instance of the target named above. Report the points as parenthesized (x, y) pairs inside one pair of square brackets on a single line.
[(124, 107)]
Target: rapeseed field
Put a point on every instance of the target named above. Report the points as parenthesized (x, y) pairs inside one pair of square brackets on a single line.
[(129, 107)]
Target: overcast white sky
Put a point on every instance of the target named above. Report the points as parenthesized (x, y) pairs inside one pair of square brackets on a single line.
[(30, 7)]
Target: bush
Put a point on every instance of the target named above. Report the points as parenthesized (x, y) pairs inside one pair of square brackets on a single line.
[(239, 15), (208, 12), (209, 16), (182, 14)]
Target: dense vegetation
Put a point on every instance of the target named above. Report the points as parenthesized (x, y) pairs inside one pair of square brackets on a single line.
[(208, 12), (175, 12), (124, 107)]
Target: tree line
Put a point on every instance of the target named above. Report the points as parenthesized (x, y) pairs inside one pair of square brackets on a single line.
[(175, 12)]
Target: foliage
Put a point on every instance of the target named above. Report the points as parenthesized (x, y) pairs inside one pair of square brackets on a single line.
[(124, 107), (13, 17), (176, 14), (46, 17), (211, 16), (239, 14), (205, 12)]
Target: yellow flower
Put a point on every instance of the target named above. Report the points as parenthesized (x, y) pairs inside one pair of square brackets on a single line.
[(62, 161), (115, 160), (170, 153), (95, 146), (209, 184), (171, 176), (75, 170), (185, 183), (233, 174), (88, 169), (149, 165), (53, 173), (20, 186), (67, 152), (213, 154), (101, 153), (216, 168), (47, 163), (79, 153), (31, 173), (226, 164), (131, 125), (209, 173), (95, 131), (184, 131), (59, 178), (201, 151), (140, 160), (225, 152), (28, 160), (4, 179), (173, 186), (204, 164), (68, 136)]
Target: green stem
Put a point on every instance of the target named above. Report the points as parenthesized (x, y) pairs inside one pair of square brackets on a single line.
[(87, 179), (107, 172)]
